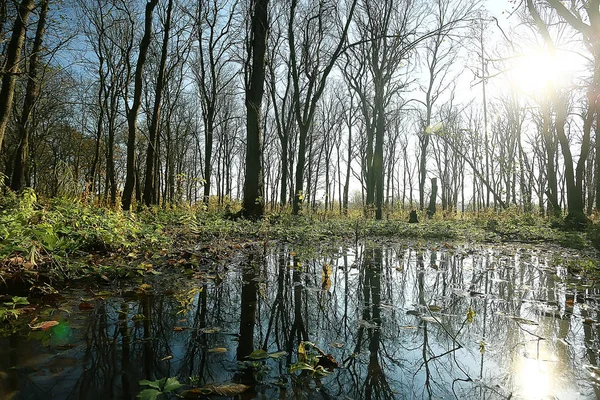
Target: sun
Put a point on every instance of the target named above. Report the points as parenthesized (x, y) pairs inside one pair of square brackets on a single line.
[(537, 71)]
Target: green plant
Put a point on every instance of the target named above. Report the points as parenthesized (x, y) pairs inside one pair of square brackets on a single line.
[(12, 312), (158, 387)]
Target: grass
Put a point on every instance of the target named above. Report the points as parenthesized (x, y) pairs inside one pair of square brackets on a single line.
[(62, 239)]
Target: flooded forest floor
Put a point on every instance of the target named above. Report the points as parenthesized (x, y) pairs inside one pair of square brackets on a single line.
[(96, 303)]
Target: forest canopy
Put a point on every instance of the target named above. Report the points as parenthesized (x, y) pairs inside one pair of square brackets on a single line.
[(451, 104)]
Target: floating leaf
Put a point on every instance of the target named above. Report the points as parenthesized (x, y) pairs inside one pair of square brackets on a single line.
[(434, 308), (86, 306), (210, 330), (166, 358), (225, 389), (258, 354), (231, 389), (218, 350), (278, 354), (179, 328), (482, 347), (44, 325)]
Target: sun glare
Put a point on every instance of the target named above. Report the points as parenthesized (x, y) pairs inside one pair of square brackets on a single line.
[(536, 72)]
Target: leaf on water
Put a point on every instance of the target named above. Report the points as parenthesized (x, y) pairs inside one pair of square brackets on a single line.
[(482, 347), (278, 354), (231, 389), (86, 306), (180, 328), (337, 345), (258, 354), (470, 315), (44, 325), (225, 389), (428, 319), (210, 330), (218, 350), (434, 308), (166, 358), (145, 287)]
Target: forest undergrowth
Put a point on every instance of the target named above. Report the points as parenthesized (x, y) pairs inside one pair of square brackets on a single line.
[(47, 242)]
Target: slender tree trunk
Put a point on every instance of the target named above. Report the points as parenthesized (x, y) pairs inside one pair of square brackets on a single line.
[(31, 95), (150, 191), (135, 107), (11, 65)]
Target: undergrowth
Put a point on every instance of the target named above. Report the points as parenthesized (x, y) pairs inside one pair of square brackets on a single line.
[(51, 236)]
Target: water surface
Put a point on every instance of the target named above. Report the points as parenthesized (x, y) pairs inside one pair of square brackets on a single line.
[(400, 320)]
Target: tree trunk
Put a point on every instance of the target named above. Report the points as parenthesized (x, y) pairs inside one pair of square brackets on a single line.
[(31, 95), (253, 204), (150, 191), (135, 107), (432, 199), (11, 65)]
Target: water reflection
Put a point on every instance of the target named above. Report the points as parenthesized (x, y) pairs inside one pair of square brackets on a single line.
[(431, 321)]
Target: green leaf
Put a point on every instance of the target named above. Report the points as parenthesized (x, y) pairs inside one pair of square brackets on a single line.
[(17, 300), (171, 384), (148, 394), (152, 384), (278, 354), (300, 366), (258, 354)]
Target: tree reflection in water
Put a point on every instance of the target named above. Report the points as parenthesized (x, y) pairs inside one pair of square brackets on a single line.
[(395, 317)]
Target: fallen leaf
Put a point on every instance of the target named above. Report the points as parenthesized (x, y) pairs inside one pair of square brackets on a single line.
[(44, 325), (86, 306), (218, 350), (166, 358), (226, 389), (180, 328)]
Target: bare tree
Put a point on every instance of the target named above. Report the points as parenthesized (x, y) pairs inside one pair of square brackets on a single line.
[(12, 64), (132, 113), (31, 95), (312, 60), (256, 42)]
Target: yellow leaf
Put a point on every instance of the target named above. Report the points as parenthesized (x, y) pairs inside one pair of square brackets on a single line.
[(470, 315), (301, 352), (218, 350)]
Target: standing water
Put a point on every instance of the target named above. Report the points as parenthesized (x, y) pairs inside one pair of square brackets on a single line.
[(368, 321)]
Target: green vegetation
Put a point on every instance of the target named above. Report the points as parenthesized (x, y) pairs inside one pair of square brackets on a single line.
[(43, 243)]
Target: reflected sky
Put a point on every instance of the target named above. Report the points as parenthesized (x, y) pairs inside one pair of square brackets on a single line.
[(402, 320)]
